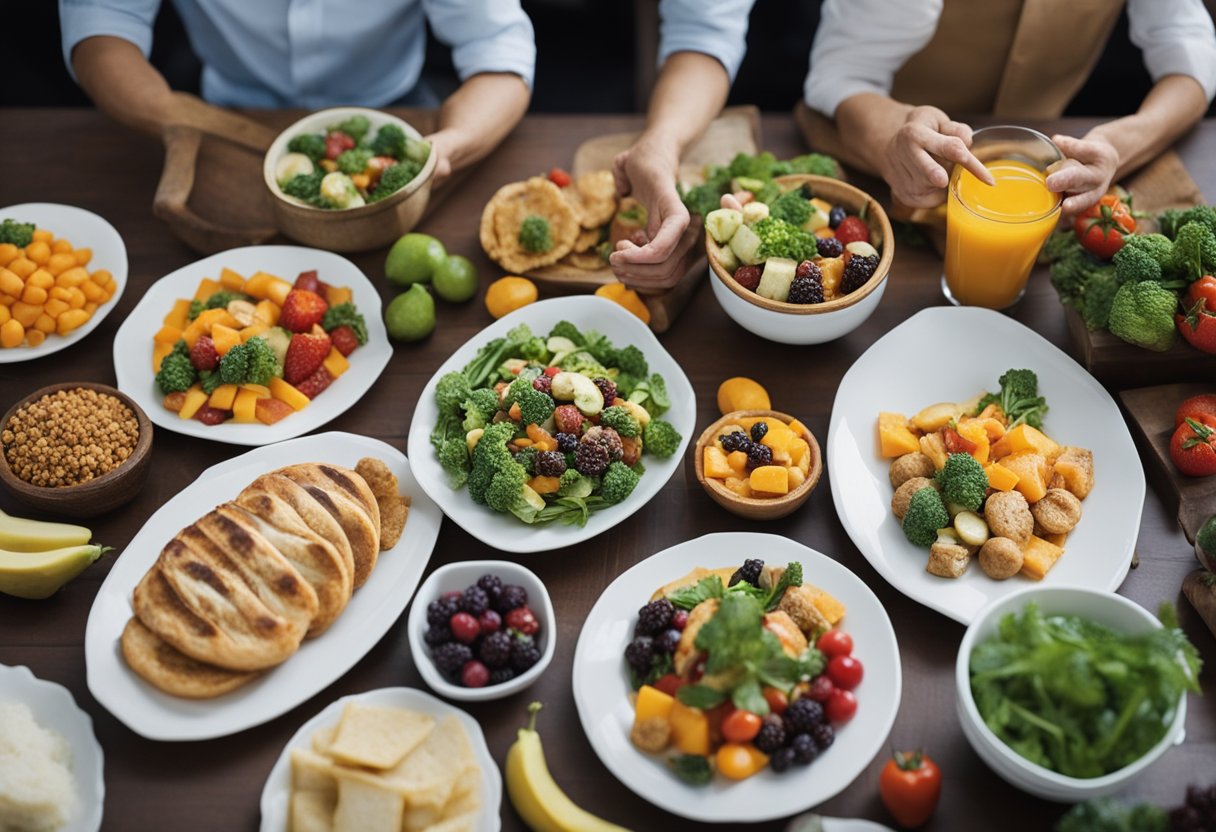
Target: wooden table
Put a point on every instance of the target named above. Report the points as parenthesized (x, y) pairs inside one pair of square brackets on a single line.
[(75, 156)]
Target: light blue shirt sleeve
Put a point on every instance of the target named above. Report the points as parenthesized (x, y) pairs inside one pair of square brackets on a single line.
[(1177, 38), (485, 36), (127, 19), (717, 28)]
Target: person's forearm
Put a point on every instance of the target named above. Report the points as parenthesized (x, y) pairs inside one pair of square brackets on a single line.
[(121, 82), (689, 94), (481, 113), (866, 123), (1174, 105)]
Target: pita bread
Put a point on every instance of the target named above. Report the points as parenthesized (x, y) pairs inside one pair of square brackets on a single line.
[(172, 671), (593, 198), (505, 213), (348, 498), (314, 514)]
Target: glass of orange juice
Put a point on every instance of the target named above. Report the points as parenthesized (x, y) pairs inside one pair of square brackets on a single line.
[(994, 232)]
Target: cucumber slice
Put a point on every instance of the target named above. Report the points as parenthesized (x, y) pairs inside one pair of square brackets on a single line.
[(722, 224), (776, 279), (746, 246)]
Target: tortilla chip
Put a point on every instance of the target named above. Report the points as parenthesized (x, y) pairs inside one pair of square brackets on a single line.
[(505, 213)]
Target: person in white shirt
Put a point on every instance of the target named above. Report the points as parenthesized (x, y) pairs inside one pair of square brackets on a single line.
[(888, 72), (314, 54)]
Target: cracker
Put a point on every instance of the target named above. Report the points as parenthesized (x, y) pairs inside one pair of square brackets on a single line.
[(312, 772), (311, 811), (430, 773), (367, 804), (376, 737)]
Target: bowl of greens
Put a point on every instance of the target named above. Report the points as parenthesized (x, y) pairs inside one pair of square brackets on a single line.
[(1070, 693), (348, 178)]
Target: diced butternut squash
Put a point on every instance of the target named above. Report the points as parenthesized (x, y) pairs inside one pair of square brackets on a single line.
[(335, 362), (337, 294), (261, 390), (230, 280), (269, 411), (652, 703), (714, 462), (545, 485), (894, 437), (178, 314), (935, 417), (195, 398), (737, 460), (223, 396), (159, 351), (244, 408), (225, 338), (973, 431), (1038, 556), (267, 312), (210, 317), (284, 392), (206, 288), (1031, 470), (771, 478), (1026, 438), (932, 446), (193, 332), (1000, 477), (689, 729), (1076, 467)]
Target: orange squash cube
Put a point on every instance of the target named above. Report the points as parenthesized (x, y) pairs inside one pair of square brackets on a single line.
[(225, 338), (244, 407), (796, 477), (177, 317), (652, 703), (277, 291), (335, 295), (773, 479), (195, 398), (737, 460), (1032, 473), (1026, 438), (894, 437), (159, 351), (267, 312), (689, 729), (230, 280), (545, 485), (1000, 477), (1038, 556), (223, 396), (206, 288), (335, 362), (165, 335)]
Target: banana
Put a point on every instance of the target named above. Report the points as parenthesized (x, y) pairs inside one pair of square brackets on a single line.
[(39, 574), (539, 800), (20, 535)]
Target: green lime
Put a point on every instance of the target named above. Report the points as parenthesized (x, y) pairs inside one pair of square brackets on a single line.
[(413, 259), (411, 315), (455, 279)]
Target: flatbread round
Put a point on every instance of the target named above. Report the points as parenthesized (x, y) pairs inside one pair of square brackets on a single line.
[(172, 671), (593, 198), (506, 212)]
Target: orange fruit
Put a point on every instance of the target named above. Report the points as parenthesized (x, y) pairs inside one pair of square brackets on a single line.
[(628, 298), (740, 393), (508, 294)]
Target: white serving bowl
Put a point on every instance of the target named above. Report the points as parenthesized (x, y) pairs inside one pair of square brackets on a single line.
[(794, 329), (1105, 608), (457, 576)]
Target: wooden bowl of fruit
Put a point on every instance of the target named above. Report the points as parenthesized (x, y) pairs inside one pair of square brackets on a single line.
[(818, 220), (788, 457)]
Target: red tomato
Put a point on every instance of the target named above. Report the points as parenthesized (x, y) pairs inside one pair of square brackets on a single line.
[(1196, 407), (852, 229), (336, 142), (670, 683), (835, 643), (910, 785), (552, 371), (841, 706), (1198, 323), (821, 688), (740, 726), (559, 177), (1102, 228), (1193, 447), (955, 442), (1203, 289), (845, 672), (776, 699)]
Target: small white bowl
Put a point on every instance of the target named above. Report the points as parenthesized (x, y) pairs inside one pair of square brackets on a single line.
[(457, 576), (1105, 608), (795, 329)]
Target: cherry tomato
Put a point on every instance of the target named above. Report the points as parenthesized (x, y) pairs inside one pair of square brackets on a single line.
[(739, 762), (559, 177), (835, 643), (776, 699), (740, 726), (910, 785), (552, 371), (841, 706), (821, 688), (1196, 407), (1102, 229), (670, 683), (845, 672)]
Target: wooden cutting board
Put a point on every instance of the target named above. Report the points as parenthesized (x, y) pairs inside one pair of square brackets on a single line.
[(737, 130), (1151, 412)]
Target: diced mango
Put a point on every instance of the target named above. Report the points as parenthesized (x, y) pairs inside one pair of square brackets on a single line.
[(206, 288), (739, 485), (225, 338), (261, 390), (244, 408), (269, 411), (798, 428), (652, 703), (894, 437), (1038, 556), (796, 447), (773, 479), (1032, 473), (1026, 438), (258, 285), (335, 362), (932, 446), (737, 460), (544, 485), (715, 463), (165, 335), (284, 392), (267, 311), (193, 332), (223, 396), (195, 398), (797, 477), (277, 291), (177, 315), (778, 437), (1076, 467), (689, 729), (230, 280), (738, 761), (253, 330), (159, 351), (1000, 477), (337, 294)]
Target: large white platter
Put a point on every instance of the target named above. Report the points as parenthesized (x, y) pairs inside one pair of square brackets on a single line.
[(504, 531), (53, 707), (133, 343), (276, 795), (83, 229), (950, 354), (371, 611), (601, 685)]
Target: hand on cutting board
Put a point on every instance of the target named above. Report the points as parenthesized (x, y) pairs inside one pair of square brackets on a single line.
[(652, 259)]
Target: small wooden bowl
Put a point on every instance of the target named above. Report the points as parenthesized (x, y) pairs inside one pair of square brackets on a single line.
[(755, 508), (98, 495)]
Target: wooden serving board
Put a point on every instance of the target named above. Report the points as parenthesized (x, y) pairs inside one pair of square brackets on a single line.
[(1151, 412), (737, 130)]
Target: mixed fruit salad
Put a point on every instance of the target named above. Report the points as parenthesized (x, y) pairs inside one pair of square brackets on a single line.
[(980, 476), (254, 350), (740, 669), (759, 456), (551, 429), (345, 166)]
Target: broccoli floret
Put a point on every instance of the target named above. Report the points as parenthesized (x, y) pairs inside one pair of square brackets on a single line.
[(454, 457), (792, 208), (759, 166), (393, 179), (451, 392), (660, 438), (816, 163), (1072, 270), (490, 456), (1105, 814), (963, 481), (630, 361), (263, 364), (583, 362), (618, 483), (1134, 264), (1099, 294), (565, 329), (534, 349), (1143, 314), (535, 407), (621, 420), (389, 141), (926, 514), (505, 486), (1156, 245), (345, 314), (208, 380), (479, 408), (535, 235), (1019, 399), (1194, 251), (601, 348), (234, 366), (354, 161), (780, 239), (176, 372), (703, 198), (307, 188), (311, 145), (356, 127), (574, 484), (526, 459), (20, 234), (1173, 219)]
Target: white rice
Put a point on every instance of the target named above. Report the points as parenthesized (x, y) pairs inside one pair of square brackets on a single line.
[(37, 792)]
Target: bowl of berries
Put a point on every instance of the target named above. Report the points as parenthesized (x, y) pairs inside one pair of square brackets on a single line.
[(482, 630), (808, 267)]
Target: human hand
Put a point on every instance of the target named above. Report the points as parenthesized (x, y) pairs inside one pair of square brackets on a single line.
[(915, 158), (446, 145), (652, 260), (1085, 172)]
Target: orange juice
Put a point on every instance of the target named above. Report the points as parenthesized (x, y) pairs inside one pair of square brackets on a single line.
[(994, 232)]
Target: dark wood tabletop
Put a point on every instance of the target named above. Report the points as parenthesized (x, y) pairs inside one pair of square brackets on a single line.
[(77, 157)]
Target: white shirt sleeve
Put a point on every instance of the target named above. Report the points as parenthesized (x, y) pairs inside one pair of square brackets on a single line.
[(861, 44), (485, 36), (127, 19), (717, 28), (1176, 37)]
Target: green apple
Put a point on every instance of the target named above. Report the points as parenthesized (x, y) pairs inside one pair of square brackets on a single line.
[(455, 279), (411, 315), (413, 259)]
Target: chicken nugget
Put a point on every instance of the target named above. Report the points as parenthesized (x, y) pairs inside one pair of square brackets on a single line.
[(1000, 558), (1008, 515), (394, 510), (1058, 512), (915, 464), (381, 480)]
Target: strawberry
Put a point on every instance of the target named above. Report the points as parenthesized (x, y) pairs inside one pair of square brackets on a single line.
[(568, 419), (301, 310), (852, 229), (308, 282), (315, 383), (203, 355), (209, 415), (304, 355), (344, 338), (336, 142)]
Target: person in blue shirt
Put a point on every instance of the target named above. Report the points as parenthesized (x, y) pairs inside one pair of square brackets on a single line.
[(314, 54)]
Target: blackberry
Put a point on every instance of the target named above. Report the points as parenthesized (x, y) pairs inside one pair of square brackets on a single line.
[(495, 650), (608, 387), (836, 216), (758, 431), (499, 675), (640, 654), (824, 735), (550, 463), (524, 653), (805, 751), (736, 440), (654, 618), (807, 285), (566, 442), (668, 641), (591, 459), (439, 611), (782, 759), (608, 438), (475, 601), (544, 384), (437, 635), (450, 658), (749, 571), (492, 584), (856, 272), (758, 455), (771, 736), (829, 247), (510, 597), (802, 716)]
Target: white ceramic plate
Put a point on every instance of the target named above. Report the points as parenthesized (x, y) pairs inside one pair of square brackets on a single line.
[(54, 708), (371, 611), (133, 343), (277, 793), (504, 531), (601, 685), (83, 229), (949, 354)]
